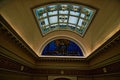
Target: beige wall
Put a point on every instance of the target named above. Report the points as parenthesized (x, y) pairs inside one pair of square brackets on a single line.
[(106, 78), (12, 75), (84, 78), (40, 78), (7, 75)]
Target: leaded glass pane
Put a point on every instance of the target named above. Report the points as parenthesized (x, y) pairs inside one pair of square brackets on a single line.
[(82, 15), (63, 9), (63, 12), (44, 22), (41, 12), (80, 22), (63, 18), (74, 13), (73, 20), (53, 26), (82, 27), (88, 13), (78, 27), (45, 29), (52, 13), (84, 23), (53, 19), (75, 10), (52, 10), (71, 26), (63, 25)]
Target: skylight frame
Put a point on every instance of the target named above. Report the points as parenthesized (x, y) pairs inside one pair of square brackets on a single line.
[(80, 31)]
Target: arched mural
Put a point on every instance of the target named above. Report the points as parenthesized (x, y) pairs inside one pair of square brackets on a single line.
[(62, 47)]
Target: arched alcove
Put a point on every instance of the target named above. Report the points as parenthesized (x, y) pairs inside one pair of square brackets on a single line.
[(62, 47)]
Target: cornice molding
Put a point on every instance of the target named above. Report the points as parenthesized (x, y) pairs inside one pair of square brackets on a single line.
[(113, 41), (12, 56), (8, 64), (53, 59), (7, 29)]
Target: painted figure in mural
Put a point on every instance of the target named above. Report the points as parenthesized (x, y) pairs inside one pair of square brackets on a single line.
[(61, 46)]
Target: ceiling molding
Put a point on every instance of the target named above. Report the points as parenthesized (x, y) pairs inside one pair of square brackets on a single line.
[(114, 40), (8, 64), (6, 28)]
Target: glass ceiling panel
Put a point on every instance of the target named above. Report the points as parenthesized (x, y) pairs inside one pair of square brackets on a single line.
[(82, 15), (44, 22), (52, 13), (71, 27), (52, 10), (40, 12), (63, 25), (73, 20), (74, 13), (63, 16), (53, 19), (63, 9), (75, 10), (88, 13), (54, 26), (80, 22), (45, 29), (63, 12)]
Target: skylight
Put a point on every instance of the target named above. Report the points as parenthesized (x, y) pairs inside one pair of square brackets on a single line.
[(64, 16)]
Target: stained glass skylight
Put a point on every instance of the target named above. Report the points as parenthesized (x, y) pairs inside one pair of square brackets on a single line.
[(64, 16)]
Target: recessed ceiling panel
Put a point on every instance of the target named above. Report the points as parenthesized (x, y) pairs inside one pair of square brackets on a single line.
[(64, 16)]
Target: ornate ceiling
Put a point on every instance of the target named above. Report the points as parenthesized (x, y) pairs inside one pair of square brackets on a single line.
[(19, 15)]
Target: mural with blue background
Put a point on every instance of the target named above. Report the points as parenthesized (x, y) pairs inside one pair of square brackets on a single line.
[(62, 47)]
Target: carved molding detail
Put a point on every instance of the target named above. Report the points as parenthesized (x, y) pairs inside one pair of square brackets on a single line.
[(5, 28), (9, 64), (112, 42)]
